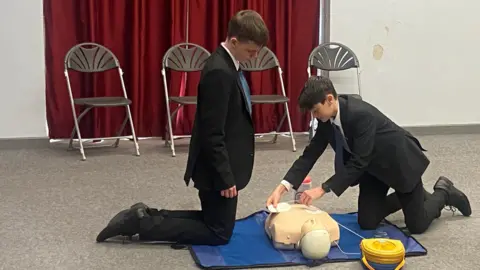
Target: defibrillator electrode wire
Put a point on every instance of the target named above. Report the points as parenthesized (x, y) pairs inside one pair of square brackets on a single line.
[(339, 248)]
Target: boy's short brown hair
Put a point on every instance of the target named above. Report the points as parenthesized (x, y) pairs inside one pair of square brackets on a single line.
[(248, 25), (315, 91)]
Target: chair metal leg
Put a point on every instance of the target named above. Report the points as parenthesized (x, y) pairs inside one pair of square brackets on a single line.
[(70, 143), (172, 116), (167, 136), (72, 104), (287, 111), (170, 132), (76, 130), (286, 115), (294, 147), (169, 117), (135, 140), (274, 140), (79, 136), (120, 131)]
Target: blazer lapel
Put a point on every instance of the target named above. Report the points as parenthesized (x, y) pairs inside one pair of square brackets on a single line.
[(221, 50)]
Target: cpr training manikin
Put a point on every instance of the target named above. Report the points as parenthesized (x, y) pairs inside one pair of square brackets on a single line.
[(298, 226)]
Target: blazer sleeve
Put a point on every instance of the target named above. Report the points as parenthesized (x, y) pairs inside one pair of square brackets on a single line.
[(304, 164), (363, 137), (212, 109)]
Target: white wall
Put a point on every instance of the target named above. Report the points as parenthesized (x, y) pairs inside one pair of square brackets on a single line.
[(429, 72), (22, 70)]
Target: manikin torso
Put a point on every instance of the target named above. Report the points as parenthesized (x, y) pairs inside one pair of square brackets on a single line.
[(285, 228)]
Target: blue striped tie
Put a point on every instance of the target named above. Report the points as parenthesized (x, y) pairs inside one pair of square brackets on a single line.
[(246, 90)]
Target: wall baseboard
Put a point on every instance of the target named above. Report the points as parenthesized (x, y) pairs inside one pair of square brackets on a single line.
[(24, 143), (444, 129), (41, 143)]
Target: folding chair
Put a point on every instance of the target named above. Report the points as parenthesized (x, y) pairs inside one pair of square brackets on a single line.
[(91, 58), (332, 56), (183, 57), (267, 60)]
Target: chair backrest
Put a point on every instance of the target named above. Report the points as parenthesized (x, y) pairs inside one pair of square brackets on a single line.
[(333, 56), (265, 60), (90, 57), (186, 57)]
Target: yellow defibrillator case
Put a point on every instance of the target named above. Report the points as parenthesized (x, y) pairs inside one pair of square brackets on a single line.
[(382, 251)]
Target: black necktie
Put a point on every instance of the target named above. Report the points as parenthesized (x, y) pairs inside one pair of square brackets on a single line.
[(339, 146)]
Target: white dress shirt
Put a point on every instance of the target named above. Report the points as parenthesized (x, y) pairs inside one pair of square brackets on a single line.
[(335, 121), (235, 62)]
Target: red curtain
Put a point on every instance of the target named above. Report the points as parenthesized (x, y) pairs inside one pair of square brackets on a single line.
[(140, 32)]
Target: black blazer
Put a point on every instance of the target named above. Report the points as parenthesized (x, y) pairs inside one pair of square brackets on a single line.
[(221, 151), (379, 147)]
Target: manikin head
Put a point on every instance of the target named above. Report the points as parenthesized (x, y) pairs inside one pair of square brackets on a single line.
[(319, 97), (315, 240), (247, 35)]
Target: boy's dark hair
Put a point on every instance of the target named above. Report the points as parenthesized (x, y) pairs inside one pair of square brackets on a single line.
[(315, 91), (248, 25)]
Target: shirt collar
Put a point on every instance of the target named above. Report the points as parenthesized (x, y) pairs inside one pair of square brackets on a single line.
[(235, 62), (336, 119)]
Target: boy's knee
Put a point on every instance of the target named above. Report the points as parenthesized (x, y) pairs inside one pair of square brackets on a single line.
[(417, 228), (367, 223), (222, 236), (221, 239)]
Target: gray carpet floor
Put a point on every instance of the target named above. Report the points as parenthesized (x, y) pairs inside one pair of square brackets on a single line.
[(53, 204)]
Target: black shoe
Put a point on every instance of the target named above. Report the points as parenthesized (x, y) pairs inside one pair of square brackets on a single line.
[(455, 198), (141, 205), (125, 223)]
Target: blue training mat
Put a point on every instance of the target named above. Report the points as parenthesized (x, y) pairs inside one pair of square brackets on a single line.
[(250, 246)]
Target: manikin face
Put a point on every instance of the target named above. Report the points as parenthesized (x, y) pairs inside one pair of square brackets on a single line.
[(244, 51), (327, 110)]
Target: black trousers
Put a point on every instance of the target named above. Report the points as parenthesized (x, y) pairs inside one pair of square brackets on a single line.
[(419, 211), (213, 225)]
